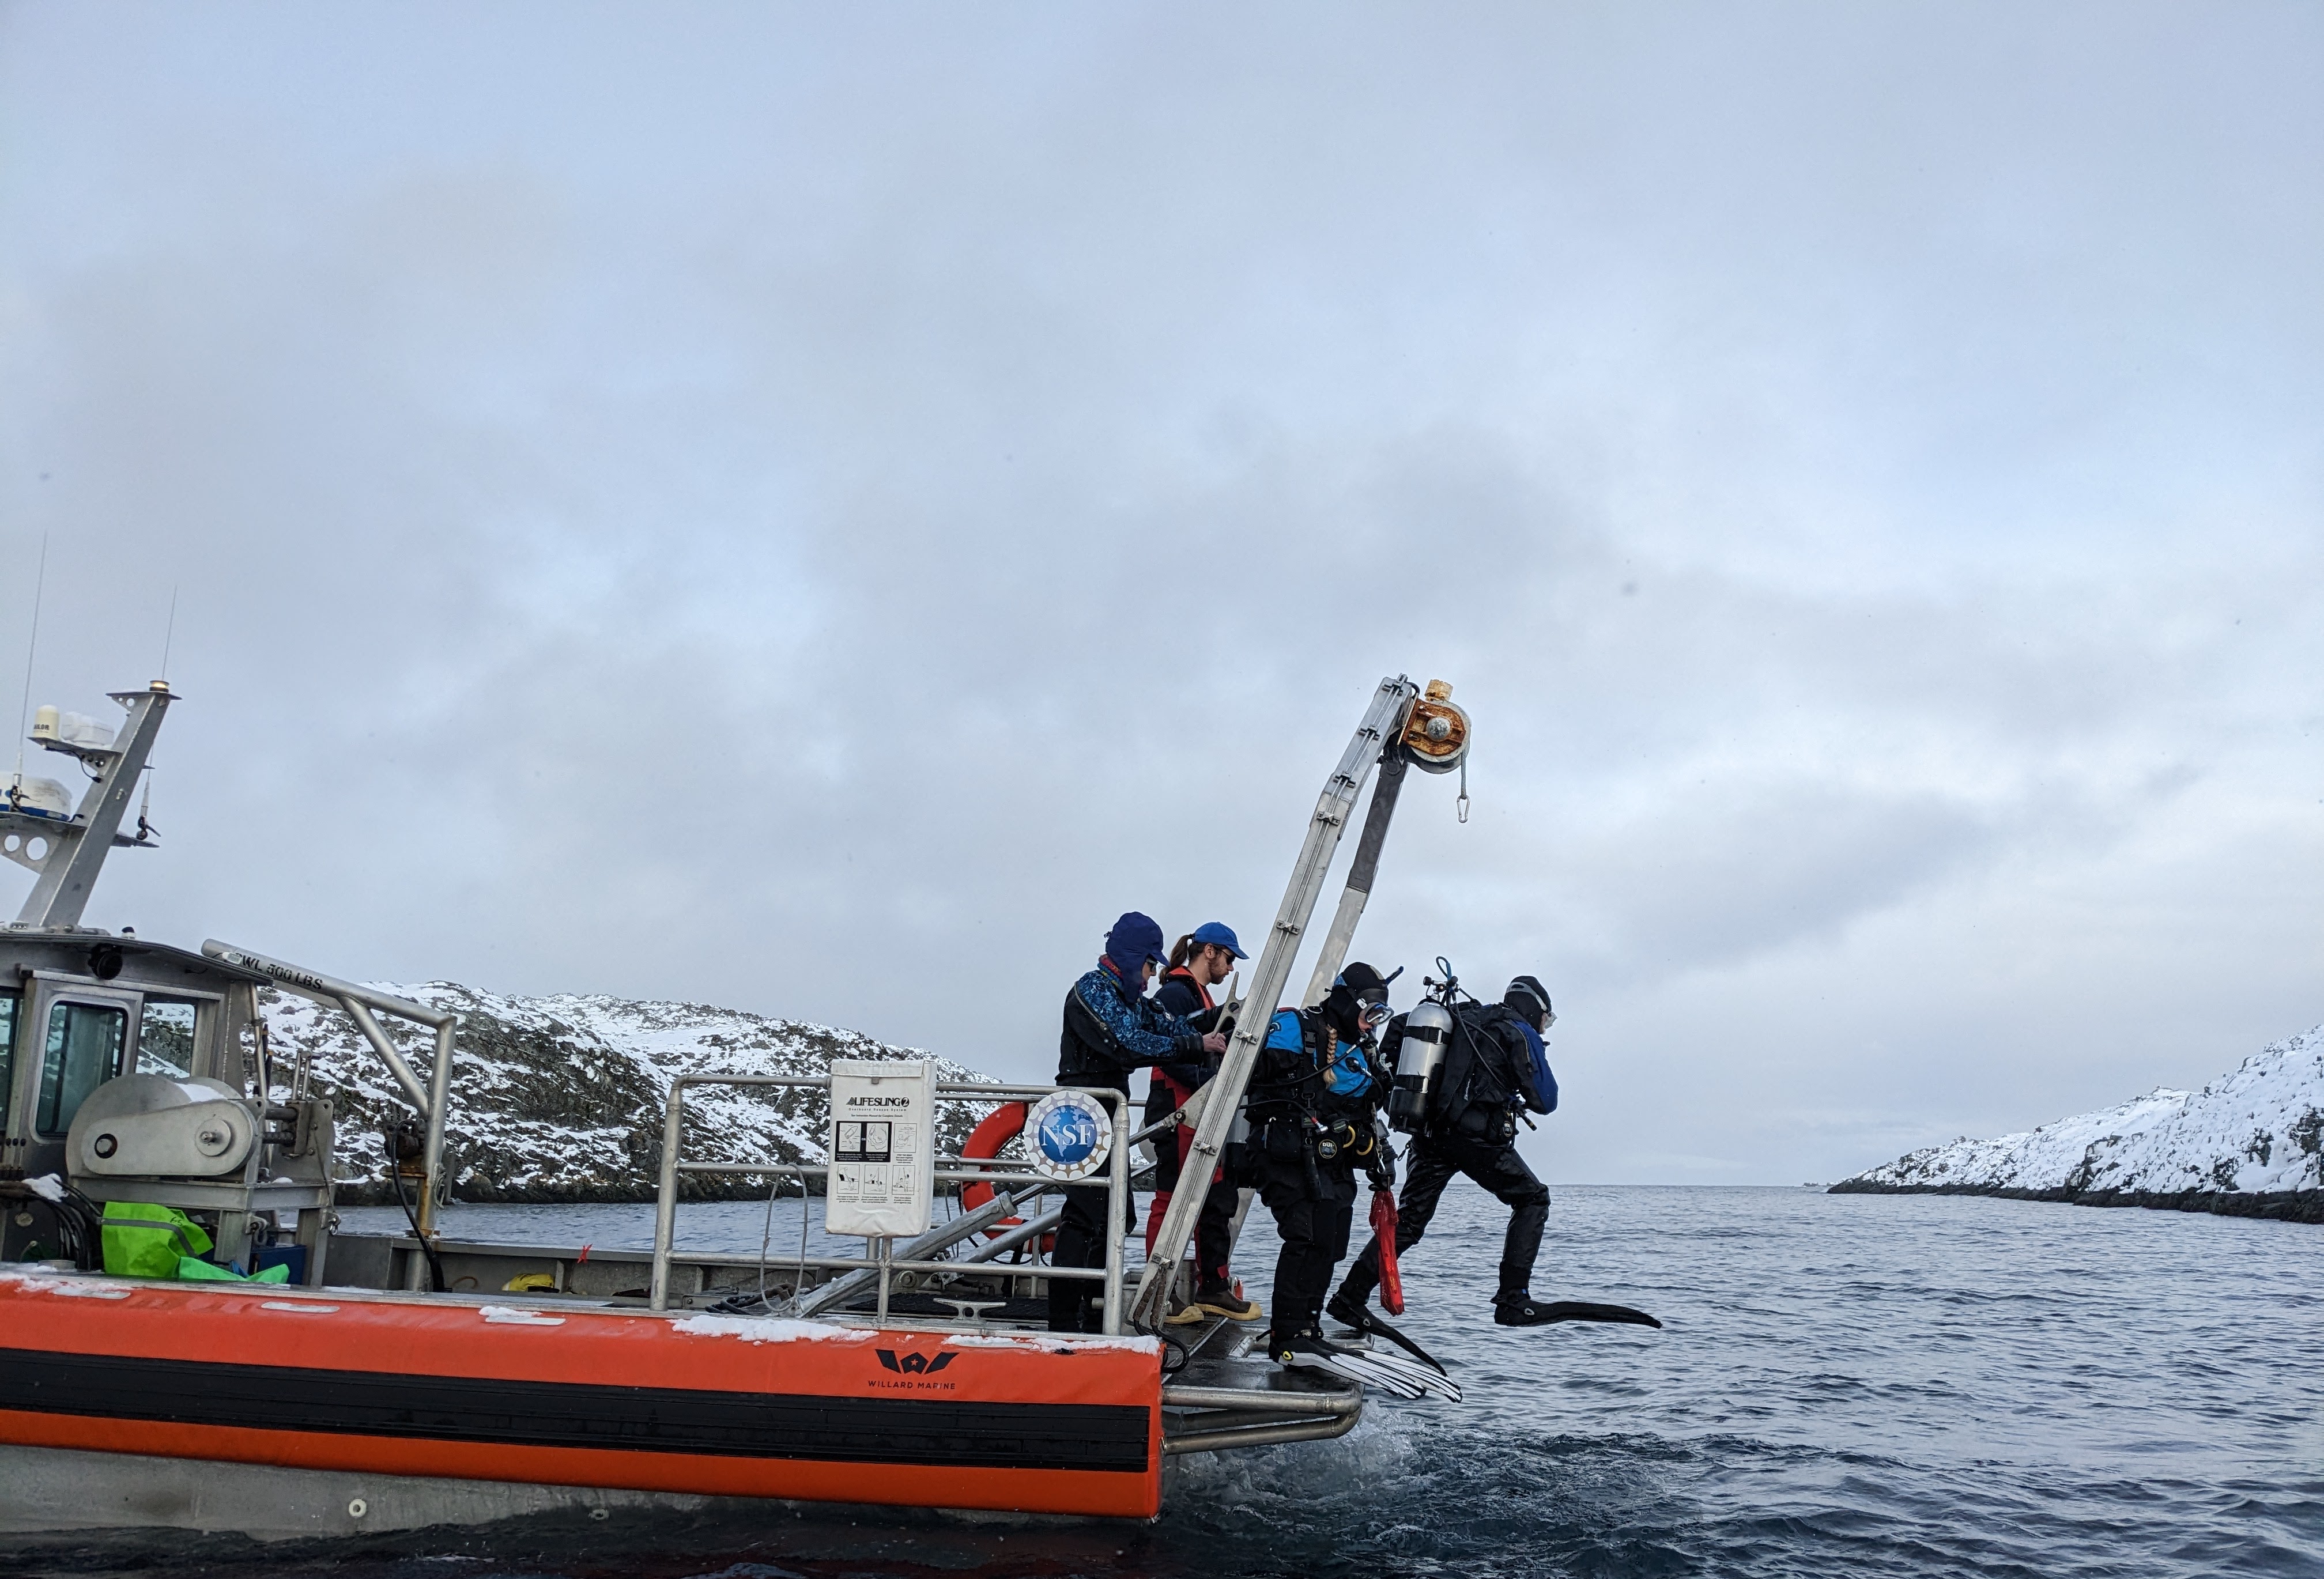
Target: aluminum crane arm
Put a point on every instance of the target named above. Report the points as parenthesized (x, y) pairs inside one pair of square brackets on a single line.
[(1383, 722)]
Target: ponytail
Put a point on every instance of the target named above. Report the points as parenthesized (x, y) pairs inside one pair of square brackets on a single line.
[(1181, 952)]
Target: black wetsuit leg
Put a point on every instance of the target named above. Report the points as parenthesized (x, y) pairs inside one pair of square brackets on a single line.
[(1513, 1184), (1314, 1234), (1076, 1305), (1503, 1174)]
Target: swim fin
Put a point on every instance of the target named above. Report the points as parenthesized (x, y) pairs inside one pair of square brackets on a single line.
[(1307, 1351), (1362, 1317), (1430, 1382), (1523, 1311), (1376, 1371)]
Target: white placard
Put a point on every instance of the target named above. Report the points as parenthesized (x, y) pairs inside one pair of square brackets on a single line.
[(881, 1147)]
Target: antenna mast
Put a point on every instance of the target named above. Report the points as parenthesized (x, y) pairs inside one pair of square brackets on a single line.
[(170, 634), (24, 710), (76, 848)]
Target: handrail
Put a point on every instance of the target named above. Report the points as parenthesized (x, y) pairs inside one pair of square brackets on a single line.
[(883, 1263)]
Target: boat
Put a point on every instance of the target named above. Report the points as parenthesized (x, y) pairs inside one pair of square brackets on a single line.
[(297, 1377)]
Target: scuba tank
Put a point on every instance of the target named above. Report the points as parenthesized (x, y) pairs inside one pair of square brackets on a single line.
[(1420, 1058)]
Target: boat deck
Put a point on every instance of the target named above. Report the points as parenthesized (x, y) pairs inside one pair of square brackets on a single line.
[(1224, 1396)]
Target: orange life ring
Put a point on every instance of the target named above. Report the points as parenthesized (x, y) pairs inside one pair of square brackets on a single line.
[(1002, 1125)]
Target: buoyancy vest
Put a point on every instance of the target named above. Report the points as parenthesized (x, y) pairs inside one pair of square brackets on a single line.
[(1181, 995), (1307, 1072)]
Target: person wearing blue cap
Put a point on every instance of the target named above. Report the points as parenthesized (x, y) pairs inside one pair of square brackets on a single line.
[(1198, 962), (1112, 1028)]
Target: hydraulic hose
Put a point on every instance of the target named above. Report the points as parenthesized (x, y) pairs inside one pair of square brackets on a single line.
[(437, 1284)]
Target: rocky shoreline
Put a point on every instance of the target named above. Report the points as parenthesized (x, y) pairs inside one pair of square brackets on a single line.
[(558, 1100), (2250, 1144), (2293, 1206)]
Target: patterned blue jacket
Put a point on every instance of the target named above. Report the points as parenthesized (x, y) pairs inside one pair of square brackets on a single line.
[(1108, 1033)]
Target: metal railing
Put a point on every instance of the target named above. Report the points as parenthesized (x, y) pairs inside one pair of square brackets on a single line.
[(1014, 1184)]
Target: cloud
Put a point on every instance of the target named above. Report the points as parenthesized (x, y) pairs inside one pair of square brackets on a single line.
[(819, 515)]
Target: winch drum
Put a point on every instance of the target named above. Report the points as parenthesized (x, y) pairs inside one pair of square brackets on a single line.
[(152, 1126)]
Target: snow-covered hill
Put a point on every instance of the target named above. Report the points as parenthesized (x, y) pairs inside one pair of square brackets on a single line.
[(2251, 1143), (560, 1099)]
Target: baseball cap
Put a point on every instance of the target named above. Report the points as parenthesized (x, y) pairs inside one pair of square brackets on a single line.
[(1220, 935)]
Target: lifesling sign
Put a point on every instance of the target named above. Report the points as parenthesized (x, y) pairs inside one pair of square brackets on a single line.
[(882, 1147)]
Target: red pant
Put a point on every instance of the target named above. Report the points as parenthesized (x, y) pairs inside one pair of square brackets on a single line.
[(1214, 1228)]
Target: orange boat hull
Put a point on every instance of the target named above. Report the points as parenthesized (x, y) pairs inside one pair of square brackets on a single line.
[(540, 1394)]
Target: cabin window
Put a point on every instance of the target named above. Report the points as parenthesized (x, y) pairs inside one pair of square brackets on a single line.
[(85, 1043), (8, 1002), (165, 1039)]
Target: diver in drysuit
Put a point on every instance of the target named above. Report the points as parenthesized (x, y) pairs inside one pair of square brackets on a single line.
[(1498, 1066), (1314, 1101)]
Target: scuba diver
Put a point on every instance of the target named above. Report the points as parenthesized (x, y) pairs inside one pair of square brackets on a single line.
[(1198, 962), (1110, 1028), (1315, 1099), (1495, 1066)]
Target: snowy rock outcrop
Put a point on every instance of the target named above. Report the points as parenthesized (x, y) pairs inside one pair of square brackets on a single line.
[(2250, 1144), (560, 1099)]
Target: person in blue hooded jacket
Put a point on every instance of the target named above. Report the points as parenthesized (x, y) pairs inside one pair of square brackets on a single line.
[(1112, 1028)]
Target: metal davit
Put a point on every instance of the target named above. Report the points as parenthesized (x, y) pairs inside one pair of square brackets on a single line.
[(1433, 735)]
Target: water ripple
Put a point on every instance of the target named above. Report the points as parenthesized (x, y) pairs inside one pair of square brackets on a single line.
[(1848, 1385)]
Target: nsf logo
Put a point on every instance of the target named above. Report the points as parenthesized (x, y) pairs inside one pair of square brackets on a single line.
[(1071, 1134)]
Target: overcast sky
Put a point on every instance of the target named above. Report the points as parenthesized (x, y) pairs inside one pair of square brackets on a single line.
[(817, 510)]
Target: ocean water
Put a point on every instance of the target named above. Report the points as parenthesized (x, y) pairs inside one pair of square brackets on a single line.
[(1847, 1385)]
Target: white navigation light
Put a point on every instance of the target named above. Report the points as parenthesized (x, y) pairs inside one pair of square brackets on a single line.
[(1070, 1135)]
